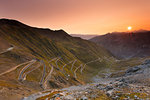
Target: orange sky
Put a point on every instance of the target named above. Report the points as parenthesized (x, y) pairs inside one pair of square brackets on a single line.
[(80, 16)]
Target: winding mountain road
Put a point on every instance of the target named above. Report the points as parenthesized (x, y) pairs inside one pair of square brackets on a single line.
[(53, 59), (25, 68), (52, 69), (64, 72), (88, 63), (75, 75), (73, 64), (56, 62), (42, 82), (49, 75), (25, 74), (44, 72), (66, 65), (12, 69)]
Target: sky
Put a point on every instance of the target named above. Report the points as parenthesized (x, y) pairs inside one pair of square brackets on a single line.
[(80, 16)]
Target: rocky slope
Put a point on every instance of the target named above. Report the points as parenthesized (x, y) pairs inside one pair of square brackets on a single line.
[(126, 44), (132, 85)]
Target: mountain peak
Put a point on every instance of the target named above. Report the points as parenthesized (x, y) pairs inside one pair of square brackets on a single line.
[(9, 22), (45, 31)]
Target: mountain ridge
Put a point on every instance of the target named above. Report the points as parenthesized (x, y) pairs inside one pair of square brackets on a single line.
[(45, 30), (125, 44)]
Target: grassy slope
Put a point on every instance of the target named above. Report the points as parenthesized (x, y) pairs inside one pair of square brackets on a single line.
[(32, 43)]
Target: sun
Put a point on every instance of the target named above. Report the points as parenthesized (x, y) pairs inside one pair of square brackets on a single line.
[(129, 28)]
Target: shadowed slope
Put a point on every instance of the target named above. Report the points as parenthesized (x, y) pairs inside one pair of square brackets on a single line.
[(126, 44)]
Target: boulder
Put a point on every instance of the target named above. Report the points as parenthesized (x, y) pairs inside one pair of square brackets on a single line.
[(132, 70)]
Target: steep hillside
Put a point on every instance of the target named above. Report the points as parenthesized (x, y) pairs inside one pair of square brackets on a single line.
[(126, 44), (3, 44), (36, 59)]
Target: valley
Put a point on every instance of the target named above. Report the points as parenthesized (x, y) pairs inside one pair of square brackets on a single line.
[(44, 64)]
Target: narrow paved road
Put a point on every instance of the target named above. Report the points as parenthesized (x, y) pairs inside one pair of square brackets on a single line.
[(56, 62), (52, 68), (44, 72), (49, 75), (108, 59), (53, 59), (9, 49), (88, 63), (73, 64), (66, 65), (25, 68), (25, 74), (64, 72), (12, 69), (75, 71)]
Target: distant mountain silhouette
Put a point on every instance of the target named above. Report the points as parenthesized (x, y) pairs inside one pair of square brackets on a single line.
[(57, 34), (126, 44), (86, 36)]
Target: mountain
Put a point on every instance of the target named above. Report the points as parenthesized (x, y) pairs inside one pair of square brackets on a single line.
[(87, 37), (126, 44), (33, 59)]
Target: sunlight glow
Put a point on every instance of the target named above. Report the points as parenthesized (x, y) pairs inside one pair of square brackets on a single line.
[(129, 28)]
